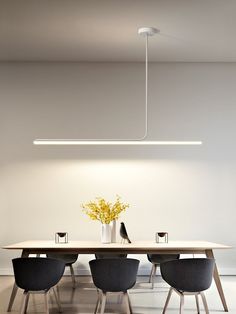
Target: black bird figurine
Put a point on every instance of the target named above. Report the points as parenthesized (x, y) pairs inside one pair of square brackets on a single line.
[(123, 233)]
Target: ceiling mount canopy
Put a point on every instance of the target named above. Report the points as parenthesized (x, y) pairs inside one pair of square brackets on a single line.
[(148, 31), (145, 32)]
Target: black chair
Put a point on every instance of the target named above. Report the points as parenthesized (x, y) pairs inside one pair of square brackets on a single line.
[(188, 277), (37, 275), (156, 260), (69, 260), (113, 275), (101, 256)]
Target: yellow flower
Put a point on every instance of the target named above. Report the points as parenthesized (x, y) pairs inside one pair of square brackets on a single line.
[(104, 211)]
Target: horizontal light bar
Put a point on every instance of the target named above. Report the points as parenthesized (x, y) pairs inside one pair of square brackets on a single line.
[(112, 142)]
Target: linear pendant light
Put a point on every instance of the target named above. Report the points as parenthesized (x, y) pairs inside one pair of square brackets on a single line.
[(111, 142), (146, 32)]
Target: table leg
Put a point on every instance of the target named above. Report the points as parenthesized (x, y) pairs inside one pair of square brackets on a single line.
[(209, 254), (15, 288)]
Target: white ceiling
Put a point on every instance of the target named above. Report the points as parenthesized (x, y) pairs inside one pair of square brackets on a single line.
[(106, 30)]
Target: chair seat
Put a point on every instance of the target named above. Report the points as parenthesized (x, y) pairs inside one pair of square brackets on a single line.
[(102, 256), (68, 259), (161, 258), (156, 260)]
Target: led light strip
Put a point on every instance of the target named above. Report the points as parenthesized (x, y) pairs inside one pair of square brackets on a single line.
[(112, 142)]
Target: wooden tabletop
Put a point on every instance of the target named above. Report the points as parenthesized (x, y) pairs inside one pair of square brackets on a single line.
[(142, 247)]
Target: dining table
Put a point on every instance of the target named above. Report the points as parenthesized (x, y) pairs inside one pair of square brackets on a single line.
[(39, 247)]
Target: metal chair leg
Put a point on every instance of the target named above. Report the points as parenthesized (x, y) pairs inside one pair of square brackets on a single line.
[(167, 300), (73, 276), (181, 309), (197, 303), (23, 305), (204, 302), (104, 297)]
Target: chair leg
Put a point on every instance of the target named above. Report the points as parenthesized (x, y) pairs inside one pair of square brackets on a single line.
[(98, 302), (151, 273), (197, 303), (154, 275), (46, 302), (27, 302), (130, 307), (73, 276), (181, 309), (97, 306), (126, 298), (167, 300), (204, 302), (57, 298), (12, 298), (23, 305), (104, 297)]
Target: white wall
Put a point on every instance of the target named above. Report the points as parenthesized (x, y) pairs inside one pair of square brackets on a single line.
[(188, 191)]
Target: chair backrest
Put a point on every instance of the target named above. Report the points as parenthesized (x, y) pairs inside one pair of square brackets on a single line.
[(36, 274), (161, 258), (190, 275), (68, 259), (98, 255), (114, 274)]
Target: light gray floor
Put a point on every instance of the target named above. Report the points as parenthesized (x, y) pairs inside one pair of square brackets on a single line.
[(144, 300)]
